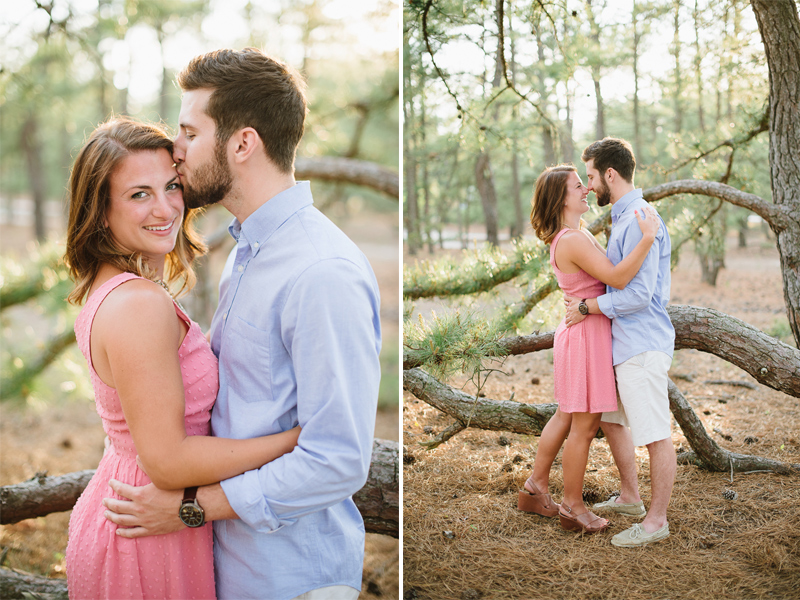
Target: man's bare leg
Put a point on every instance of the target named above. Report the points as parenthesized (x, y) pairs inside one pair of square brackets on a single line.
[(621, 445), (663, 466)]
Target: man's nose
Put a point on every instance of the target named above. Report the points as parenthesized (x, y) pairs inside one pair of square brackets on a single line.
[(178, 155)]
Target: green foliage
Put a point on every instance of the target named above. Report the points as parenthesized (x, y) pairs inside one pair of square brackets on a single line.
[(480, 270), (43, 275), (457, 342), (780, 329), (390, 378)]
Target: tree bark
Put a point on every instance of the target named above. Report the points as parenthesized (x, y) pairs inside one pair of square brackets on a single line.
[(348, 170), (779, 25), (678, 82), (707, 453), (600, 122), (530, 419), (698, 61), (768, 360), (378, 501), (483, 413), (17, 585), (779, 217), (41, 496), (485, 184), (32, 147), (547, 131)]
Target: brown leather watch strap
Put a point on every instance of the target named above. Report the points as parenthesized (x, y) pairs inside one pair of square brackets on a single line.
[(190, 493)]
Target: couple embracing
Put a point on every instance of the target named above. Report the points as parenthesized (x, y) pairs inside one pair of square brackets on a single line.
[(290, 364), (613, 349)]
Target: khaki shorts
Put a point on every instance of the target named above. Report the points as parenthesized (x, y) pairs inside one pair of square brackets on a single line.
[(643, 401), (332, 592)]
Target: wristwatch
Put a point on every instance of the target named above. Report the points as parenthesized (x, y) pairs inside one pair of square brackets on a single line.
[(191, 513), (582, 308)]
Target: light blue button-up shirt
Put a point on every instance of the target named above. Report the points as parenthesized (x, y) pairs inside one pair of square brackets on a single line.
[(638, 313), (297, 333)]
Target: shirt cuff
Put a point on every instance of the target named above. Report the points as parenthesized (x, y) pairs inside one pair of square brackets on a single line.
[(606, 306), (247, 499)]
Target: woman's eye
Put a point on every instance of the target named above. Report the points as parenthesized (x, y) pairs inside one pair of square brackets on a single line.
[(174, 186), (139, 195)]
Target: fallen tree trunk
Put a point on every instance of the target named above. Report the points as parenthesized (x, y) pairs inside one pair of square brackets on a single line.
[(767, 359), (41, 496), (17, 585), (707, 453), (378, 500), (529, 419)]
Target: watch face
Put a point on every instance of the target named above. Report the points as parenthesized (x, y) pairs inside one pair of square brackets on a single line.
[(191, 515), (583, 309)]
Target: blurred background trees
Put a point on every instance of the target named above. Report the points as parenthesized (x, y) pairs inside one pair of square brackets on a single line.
[(68, 65), (496, 91)]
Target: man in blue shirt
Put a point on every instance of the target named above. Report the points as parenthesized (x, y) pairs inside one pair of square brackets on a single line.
[(297, 334), (643, 341)]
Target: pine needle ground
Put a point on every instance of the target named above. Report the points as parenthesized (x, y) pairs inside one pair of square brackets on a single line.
[(463, 537)]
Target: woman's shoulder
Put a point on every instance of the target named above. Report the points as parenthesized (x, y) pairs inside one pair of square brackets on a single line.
[(137, 302), (575, 238)]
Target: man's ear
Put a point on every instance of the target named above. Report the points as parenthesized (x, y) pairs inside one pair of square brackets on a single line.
[(243, 144), (610, 175)]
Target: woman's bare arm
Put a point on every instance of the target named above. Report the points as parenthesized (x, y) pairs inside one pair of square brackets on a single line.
[(139, 333), (580, 252)]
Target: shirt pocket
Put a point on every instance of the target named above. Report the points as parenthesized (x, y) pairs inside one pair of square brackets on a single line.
[(246, 358)]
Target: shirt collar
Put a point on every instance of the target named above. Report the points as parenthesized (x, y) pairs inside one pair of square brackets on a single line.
[(267, 218), (623, 203)]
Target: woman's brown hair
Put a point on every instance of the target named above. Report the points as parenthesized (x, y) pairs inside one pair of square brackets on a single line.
[(548, 201), (89, 242)]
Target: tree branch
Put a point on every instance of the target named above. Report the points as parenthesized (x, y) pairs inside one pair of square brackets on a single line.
[(777, 216), (530, 419), (378, 501), (348, 170)]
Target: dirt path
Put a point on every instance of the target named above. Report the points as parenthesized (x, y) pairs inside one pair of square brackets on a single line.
[(464, 538)]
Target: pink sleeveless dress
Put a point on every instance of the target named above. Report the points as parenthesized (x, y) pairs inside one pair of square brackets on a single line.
[(582, 363), (101, 564)]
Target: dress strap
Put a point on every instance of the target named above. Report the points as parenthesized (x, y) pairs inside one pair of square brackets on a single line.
[(553, 243)]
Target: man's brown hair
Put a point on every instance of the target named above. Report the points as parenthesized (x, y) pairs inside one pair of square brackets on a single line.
[(251, 89), (89, 242), (611, 153)]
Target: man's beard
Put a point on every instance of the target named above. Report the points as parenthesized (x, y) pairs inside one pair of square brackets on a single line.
[(212, 182), (603, 194)]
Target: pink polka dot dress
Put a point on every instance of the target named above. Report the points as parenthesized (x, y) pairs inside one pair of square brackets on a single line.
[(582, 363), (102, 565)]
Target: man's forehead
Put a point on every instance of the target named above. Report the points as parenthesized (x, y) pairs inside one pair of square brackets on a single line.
[(193, 107)]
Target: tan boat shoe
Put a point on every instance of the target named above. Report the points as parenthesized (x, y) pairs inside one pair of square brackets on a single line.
[(636, 536), (632, 509)]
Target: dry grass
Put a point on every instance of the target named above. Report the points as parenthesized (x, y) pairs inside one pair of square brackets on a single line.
[(748, 548), (745, 548)]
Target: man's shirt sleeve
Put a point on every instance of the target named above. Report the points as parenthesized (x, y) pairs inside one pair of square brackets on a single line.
[(330, 326), (638, 293)]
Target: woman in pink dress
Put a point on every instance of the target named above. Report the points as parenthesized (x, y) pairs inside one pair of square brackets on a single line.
[(583, 372), (154, 374)]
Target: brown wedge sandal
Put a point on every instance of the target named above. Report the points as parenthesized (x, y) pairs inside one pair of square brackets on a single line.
[(588, 522), (536, 502)]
